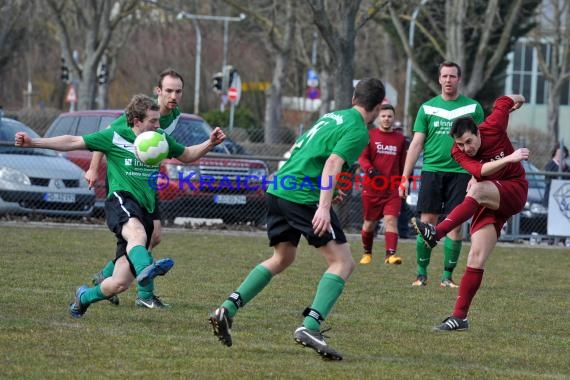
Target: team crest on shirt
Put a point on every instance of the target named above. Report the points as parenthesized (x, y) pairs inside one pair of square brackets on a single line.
[(391, 150)]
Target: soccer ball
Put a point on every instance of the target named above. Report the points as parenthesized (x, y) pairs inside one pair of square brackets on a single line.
[(151, 147)]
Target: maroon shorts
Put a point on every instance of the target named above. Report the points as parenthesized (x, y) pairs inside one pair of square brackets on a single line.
[(375, 208), (513, 195)]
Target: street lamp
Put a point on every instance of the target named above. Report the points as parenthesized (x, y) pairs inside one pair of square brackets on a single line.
[(226, 20), (409, 61)]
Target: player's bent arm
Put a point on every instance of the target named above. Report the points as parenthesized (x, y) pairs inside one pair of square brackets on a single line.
[(414, 151), (62, 143), (332, 168), (321, 219), (518, 99), (492, 167), (194, 152)]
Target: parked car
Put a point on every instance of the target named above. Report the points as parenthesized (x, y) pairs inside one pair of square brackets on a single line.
[(534, 216), (225, 197), (39, 181)]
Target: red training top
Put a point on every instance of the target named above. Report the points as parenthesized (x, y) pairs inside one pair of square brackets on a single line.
[(386, 153), (495, 144)]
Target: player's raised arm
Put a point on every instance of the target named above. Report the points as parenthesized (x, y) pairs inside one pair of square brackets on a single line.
[(62, 143)]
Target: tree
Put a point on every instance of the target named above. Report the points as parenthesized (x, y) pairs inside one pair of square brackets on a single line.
[(340, 39), (279, 38), (94, 23), (12, 29), (475, 34), (551, 40)]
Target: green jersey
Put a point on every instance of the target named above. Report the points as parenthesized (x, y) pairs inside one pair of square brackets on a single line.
[(434, 119), (124, 171), (343, 133), (168, 122)]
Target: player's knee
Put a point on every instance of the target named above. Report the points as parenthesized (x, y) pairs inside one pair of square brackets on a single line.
[(349, 265), (477, 191), (117, 286)]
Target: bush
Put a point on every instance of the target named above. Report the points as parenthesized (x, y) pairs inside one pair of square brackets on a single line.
[(243, 118)]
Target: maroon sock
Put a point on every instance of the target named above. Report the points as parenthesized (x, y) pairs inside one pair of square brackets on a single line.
[(367, 239), (391, 241), (468, 287), (457, 216)]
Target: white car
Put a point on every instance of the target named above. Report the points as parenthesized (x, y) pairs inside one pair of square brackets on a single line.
[(39, 181)]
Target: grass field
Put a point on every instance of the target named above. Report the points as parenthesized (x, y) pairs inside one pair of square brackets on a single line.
[(519, 318)]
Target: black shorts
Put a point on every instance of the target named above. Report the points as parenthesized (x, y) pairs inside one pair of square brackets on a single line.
[(440, 192), (119, 208), (287, 221), (156, 213)]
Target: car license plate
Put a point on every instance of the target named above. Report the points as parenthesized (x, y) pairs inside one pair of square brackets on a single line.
[(59, 197), (230, 199)]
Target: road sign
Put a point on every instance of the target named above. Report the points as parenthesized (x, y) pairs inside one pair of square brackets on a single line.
[(71, 96), (232, 94), (313, 93), (312, 78)]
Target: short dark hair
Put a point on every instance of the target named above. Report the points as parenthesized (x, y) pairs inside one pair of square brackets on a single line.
[(387, 106), (564, 150), (449, 64), (368, 93), (462, 125), (169, 72), (137, 108)]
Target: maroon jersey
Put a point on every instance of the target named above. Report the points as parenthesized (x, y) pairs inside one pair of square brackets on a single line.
[(386, 153), (495, 144)]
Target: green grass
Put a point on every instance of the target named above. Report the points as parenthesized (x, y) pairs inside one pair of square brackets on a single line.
[(519, 318)]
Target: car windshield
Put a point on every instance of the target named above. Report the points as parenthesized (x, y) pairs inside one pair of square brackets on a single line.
[(192, 132), (8, 129)]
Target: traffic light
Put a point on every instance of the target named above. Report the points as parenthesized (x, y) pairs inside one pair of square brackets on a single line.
[(217, 82), (103, 74), (64, 71), (228, 77)]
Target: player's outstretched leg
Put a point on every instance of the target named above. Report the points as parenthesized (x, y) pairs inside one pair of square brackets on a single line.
[(97, 279), (158, 268), (426, 231)]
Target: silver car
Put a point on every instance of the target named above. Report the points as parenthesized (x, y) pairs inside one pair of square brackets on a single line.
[(39, 181)]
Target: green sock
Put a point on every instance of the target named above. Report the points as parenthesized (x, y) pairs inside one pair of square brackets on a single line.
[(329, 289), (92, 295), (254, 283), (146, 292), (451, 249), (108, 269), (139, 258), (423, 255)]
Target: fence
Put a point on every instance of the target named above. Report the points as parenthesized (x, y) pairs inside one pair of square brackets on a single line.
[(221, 188)]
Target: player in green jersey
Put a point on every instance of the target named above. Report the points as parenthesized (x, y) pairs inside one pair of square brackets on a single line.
[(299, 201), (169, 95), (131, 200), (443, 181)]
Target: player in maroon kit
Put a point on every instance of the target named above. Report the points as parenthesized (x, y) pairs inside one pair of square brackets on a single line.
[(497, 191), (382, 161)]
